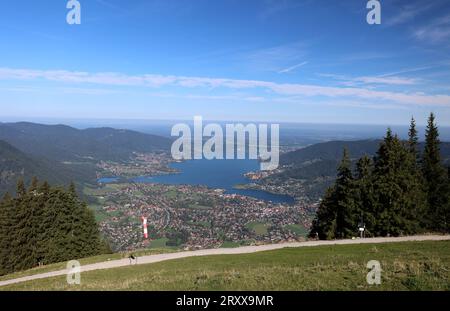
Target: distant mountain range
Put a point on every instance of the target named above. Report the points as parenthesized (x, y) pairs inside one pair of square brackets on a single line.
[(64, 143), (61, 154), (333, 150)]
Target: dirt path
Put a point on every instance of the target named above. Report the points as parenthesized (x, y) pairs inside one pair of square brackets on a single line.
[(222, 251)]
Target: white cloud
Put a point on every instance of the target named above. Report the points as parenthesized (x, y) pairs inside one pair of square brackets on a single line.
[(386, 80), (414, 69), (284, 89), (275, 57), (374, 80), (289, 69), (409, 12), (436, 32)]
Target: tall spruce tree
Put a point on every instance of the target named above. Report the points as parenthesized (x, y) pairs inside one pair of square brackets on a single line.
[(413, 140), (364, 193), (6, 234), (43, 228), (416, 173), (346, 209), (398, 192), (24, 256), (435, 179), (337, 216), (324, 223), (21, 190)]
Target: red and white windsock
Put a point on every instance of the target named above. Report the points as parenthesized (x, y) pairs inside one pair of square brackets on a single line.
[(144, 225)]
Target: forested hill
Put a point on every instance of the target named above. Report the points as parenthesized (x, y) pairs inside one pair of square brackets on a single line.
[(332, 151), (64, 143), (61, 154), (15, 164)]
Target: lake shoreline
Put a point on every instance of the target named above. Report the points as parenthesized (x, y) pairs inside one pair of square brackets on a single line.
[(228, 175)]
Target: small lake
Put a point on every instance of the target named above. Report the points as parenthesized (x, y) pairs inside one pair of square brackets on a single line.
[(223, 174)]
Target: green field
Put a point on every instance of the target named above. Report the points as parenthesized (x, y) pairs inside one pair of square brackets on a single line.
[(406, 266), (87, 261)]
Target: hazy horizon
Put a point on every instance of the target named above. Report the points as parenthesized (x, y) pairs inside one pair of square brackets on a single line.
[(314, 131)]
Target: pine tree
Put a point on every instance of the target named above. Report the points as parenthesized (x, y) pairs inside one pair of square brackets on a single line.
[(45, 225), (324, 223), (21, 190), (34, 184), (6, 234), (398, 193), (337, 213), (385, 189), (435, 179), (364, 193), (346, 209), (413, 140), (28, 217), (55, 225)]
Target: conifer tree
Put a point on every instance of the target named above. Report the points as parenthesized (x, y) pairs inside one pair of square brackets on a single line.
[(397, 194), (27, 219), (45, 225), (21, 190), (34, 184), (6, 234), (435, 179), (56, 227), (364, 193), (324, 223), (346, 209), (413, 140), (337, 213), (397, 189)]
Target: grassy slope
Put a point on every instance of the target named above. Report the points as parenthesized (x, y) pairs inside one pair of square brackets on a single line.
[(406, 266), (85, 261)]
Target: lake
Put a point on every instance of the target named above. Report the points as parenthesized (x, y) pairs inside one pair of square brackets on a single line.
[(223, 174)]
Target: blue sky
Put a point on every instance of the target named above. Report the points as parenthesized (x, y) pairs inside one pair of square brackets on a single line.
[(315, 61)]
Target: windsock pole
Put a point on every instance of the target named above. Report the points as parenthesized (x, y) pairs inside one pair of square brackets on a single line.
[(144, 225)]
